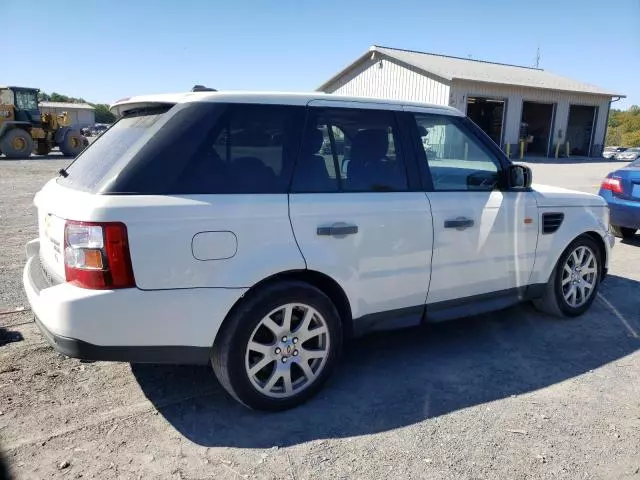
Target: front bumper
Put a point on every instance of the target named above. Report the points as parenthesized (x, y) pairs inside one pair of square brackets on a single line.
[(130, 325)]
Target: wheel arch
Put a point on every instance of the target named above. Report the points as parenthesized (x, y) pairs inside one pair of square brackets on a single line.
[(596, 237), (321, 281)]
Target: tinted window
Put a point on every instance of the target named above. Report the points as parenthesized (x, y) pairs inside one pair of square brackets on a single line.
[(351, 150), (246, 152), (191, 148), (456, 159)]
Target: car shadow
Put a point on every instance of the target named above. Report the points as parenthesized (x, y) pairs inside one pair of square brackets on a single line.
[(9, 336), (635, 240), (396, 379)]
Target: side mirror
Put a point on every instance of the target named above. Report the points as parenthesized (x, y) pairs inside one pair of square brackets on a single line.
[(519, 176)]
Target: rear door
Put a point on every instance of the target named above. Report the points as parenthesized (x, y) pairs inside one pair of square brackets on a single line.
[(485, 237), (358, 214)]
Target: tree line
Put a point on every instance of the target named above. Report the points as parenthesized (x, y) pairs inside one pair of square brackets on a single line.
[(103, 115), (623, 128)]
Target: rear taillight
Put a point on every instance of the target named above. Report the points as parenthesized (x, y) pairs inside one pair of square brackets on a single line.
[(612, 184), (96, 255)]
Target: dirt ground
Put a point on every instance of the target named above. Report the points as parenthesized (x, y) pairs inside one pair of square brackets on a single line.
[(511, 395)]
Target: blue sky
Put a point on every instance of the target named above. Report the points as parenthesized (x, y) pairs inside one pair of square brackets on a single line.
[(109, 49)]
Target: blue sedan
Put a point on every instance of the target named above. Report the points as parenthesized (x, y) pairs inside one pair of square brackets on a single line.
[(621, 190)]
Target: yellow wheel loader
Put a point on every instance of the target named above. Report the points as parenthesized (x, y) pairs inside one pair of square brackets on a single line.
[(25, 130)]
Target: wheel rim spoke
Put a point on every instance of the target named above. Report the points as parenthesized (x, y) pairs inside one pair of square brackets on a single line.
[(269, 323), (309, 334), (286, 376), (266, 350), (306, 369), (313, 354), (266, 360), (293, 334), (275, 376)]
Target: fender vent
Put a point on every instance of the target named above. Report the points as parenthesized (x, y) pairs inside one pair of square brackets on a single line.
[(551, 222)]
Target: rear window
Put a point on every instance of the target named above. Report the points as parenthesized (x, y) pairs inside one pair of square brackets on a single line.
[(108, 154)]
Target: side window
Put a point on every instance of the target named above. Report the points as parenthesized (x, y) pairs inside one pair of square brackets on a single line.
[(357, 152), (456, 159), (246, 152)]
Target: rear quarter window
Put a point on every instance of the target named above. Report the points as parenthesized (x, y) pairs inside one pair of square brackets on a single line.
[(193, 148)]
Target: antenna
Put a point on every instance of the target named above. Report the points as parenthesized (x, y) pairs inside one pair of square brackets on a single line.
[(538, 58)]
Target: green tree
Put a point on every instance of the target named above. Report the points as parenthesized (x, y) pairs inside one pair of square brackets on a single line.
[(624, 127), (103, 115)]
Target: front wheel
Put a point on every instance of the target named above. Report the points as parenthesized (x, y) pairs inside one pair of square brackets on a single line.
[(622, 232), (574, 282), (279, 346), (72, 144)]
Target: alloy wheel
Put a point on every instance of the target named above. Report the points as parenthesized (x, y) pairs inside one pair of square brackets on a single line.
[(287, 350), (579, 276)]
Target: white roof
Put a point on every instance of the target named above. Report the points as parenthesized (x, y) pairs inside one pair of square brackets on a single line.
[(454, 68), (282, 98), (65, 105)]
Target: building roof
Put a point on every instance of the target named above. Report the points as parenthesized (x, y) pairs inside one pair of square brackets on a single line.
[(288, 98), (68, 106), (455, 68)]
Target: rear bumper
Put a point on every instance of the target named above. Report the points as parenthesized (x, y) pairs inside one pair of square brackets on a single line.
[(623, 213), (625, 216), (130, 325)]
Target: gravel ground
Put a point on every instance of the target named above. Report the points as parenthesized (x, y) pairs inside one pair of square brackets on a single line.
[(512, 395)]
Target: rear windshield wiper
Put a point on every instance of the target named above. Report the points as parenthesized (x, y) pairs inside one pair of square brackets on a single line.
[(63, 173)]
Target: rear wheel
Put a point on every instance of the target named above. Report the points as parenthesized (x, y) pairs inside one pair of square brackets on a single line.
[(574, 282), (622, 232), (72, 144), (279, 347), (17, 143)]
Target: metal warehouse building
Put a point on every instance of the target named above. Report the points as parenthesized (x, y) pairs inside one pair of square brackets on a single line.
[(508, 102), (80, 114)]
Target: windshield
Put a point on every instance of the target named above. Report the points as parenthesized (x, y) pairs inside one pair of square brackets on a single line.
[(26, 99)]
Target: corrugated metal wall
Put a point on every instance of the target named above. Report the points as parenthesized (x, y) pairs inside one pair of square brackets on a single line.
[(387, 79), (79, 117), (515, 96)]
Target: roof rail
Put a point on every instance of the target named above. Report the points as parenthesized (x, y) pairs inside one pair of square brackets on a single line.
[(202, 88)]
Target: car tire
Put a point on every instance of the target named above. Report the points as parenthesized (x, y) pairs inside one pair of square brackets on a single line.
[(622, 232), (17, 144), (558, 299), (72, 144), (260, 361)]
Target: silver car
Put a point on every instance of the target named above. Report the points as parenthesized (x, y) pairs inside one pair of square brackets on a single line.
[(611, 152), (629, 155)]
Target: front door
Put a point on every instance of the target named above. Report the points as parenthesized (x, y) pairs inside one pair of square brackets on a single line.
[(354, 215), (484, 236)]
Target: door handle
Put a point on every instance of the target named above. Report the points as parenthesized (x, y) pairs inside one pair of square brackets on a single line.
[(338, 229), (459, 223)]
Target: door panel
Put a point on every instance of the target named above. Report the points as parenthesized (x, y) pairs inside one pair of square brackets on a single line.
[(385, 265), (496, 253), (372, 235), (484, 236)]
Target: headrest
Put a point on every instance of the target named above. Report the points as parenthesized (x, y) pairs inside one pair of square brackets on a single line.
[(370, 145), (312, 142)]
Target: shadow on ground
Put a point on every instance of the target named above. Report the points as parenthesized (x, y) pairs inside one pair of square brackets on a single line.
[(397, 379), (635, 240), (9, 336)]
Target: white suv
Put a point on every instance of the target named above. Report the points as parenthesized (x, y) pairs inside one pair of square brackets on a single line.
[(214, 227)]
